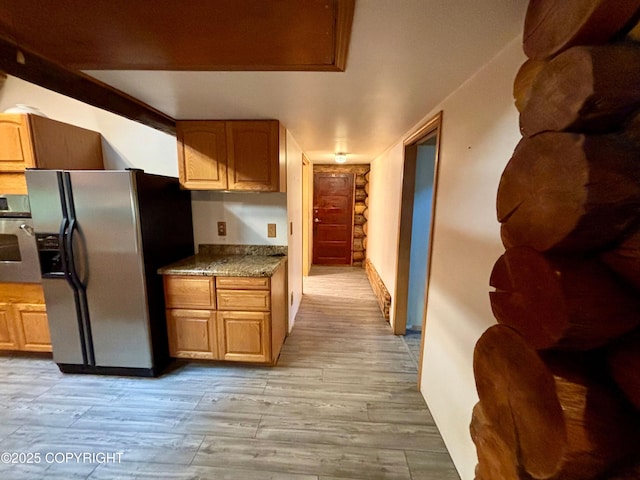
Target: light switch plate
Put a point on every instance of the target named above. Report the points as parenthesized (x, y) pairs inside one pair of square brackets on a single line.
[(222, 229), (271, 230)]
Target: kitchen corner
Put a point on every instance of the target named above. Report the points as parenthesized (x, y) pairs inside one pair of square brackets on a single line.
[(228, 302)]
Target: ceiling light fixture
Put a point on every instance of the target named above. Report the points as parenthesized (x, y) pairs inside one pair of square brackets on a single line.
[(341, 157)]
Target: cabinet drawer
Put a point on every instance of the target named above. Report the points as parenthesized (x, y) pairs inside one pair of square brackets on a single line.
[(248, 300), (243, 283), (192, 334), (189, 292)]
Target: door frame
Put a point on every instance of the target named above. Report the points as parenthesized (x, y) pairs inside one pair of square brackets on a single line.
[(431, 127), (307, 221)]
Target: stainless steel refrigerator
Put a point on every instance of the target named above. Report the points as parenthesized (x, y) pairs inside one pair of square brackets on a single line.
[(101, 236)]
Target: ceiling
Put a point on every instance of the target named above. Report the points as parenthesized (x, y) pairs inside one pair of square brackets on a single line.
[(405, 56)]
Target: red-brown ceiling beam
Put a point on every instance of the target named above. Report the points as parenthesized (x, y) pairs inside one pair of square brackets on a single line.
[(37, 70)]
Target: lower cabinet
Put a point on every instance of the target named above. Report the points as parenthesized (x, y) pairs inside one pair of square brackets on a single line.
[(192, 334), (23, 318), (244, 336), (241, 319)]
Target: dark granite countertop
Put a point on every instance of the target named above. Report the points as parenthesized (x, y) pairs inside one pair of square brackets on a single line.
[(257, 261)]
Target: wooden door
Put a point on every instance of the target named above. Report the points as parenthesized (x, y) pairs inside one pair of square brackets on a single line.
[(332, 218)]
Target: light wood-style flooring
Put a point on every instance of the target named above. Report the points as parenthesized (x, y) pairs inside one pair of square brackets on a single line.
[(342, 403)]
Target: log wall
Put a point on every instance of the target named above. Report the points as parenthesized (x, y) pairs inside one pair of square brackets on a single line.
[(558, 378), (379, 289)]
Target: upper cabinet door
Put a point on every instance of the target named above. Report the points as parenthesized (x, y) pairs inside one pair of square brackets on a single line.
[(16, 151), (253, 162), (202, 155)]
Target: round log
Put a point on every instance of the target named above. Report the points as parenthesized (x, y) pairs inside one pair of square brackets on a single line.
[(568, 425), (524, 81), (366, 188), (634, 33), (366, 201), (359, 220), (364, 242), (551, 26), (518, 397), (585, 89), (632, 130), (357, 245), (625, 258), (361, 195), (365, 228), (624, 365), (358, 256), (358, 231), (366, 213), (367, 176), (629, 471), (562, 303), (360, 180), (359, 208), (569, 192), (496, 459)]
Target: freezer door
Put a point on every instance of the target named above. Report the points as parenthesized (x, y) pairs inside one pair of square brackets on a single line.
[(108, 258), (46, 212)]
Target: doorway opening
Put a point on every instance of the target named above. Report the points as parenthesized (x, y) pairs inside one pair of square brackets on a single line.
[(415, 236)]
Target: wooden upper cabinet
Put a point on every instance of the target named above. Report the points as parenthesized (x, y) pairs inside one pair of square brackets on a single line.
[(16, 152), (253, 156), (28, 141), (202, 155), (232, 155)]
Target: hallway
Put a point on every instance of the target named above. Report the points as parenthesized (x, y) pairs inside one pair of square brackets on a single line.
[(341, 404)]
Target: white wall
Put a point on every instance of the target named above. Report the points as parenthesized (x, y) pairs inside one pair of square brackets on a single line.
[(294, 208), (246, 214), (479, 133), (125, 143)]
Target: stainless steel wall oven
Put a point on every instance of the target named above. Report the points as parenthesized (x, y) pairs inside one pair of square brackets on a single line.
[(18, 251)]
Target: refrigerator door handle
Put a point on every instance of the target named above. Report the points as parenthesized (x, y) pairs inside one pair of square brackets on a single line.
[(73, 273), (80, 290)]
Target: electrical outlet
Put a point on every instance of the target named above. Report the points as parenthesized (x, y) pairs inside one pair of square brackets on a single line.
[(271, 230), (222, 229)]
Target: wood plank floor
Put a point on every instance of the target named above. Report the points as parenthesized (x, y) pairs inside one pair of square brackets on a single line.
[(341, 404)]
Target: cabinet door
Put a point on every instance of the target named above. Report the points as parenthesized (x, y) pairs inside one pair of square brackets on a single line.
[(192, 334), (244, 336), (202, 155), (32, 327), (16, 151), (253, 163), (8, 337)]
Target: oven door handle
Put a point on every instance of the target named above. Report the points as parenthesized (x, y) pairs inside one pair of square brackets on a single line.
[(28, 229)]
